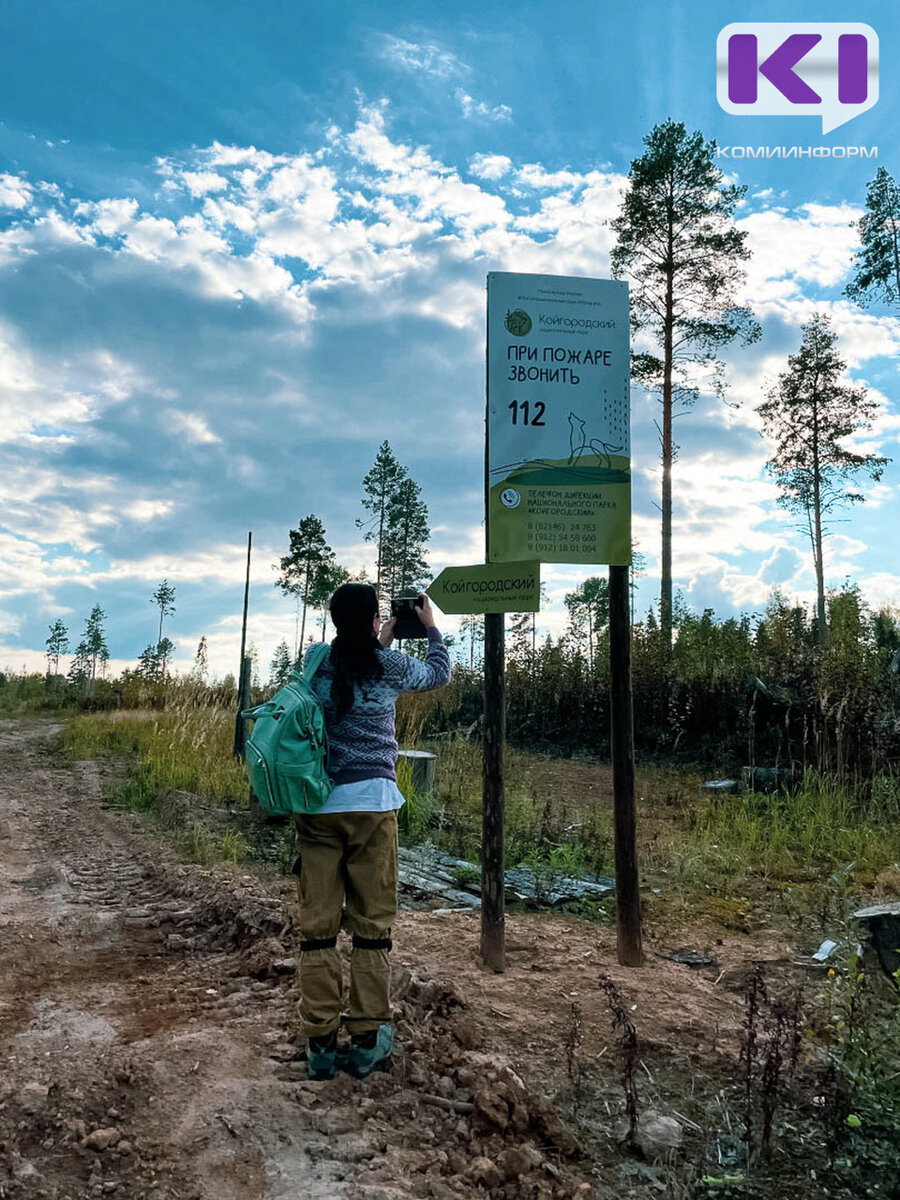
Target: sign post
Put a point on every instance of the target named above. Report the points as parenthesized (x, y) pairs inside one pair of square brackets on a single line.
[(492, 589), (628, 899), (558, 489), (493, 888)]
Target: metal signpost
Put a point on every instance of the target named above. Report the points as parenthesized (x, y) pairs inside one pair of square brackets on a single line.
[(558, 489)]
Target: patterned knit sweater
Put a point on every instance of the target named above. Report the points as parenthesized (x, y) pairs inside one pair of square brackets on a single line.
[(363, 745)]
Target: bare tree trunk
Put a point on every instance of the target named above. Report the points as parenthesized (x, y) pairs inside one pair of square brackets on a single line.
[(665, 595), (405, 565), (305, 602), (380, 538), (817, 548), (820, 572)]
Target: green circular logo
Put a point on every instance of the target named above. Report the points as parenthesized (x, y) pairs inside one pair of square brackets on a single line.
[(518, 322)]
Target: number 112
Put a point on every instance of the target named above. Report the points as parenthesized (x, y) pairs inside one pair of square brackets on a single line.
[(516, 408)]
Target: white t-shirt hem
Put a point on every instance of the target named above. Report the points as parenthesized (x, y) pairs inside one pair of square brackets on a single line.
[(364, 795)]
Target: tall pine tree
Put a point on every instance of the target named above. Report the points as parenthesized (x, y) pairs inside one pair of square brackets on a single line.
[(380, 486), (95, 641), (305, 568), (678, 246), (406, 534), (164, 599), (808, 414), (57, 644)]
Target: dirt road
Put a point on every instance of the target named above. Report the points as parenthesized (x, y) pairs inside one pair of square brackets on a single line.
[(146, 1018)]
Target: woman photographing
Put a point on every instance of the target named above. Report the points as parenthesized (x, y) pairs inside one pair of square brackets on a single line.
[(348, 847)]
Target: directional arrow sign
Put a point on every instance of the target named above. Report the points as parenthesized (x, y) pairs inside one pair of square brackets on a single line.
[(488, 588)]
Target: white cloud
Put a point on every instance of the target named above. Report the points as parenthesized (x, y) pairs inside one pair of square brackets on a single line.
[(437, 190), (479, 109), (428, 58), (148, 510), (882, 590), (201, 183), (34, 662), (193, 427), (9, 622), (219, 155), (457, 304), (533, 175), (54, 230), (196, 248), (490, 166), (108, 217), (781, 566), (812, 244), (15, 192)]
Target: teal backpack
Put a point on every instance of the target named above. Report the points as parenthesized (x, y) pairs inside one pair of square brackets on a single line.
[(287, 750)]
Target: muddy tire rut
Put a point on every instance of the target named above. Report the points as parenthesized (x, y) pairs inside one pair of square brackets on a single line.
[(147, 1026)]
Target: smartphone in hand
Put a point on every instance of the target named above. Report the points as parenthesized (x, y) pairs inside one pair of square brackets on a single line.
[(408, 623)]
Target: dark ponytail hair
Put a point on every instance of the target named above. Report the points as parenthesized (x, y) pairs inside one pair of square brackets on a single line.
[(354, 652)]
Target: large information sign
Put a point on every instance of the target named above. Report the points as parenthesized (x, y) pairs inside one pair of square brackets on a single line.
[(559, 455)]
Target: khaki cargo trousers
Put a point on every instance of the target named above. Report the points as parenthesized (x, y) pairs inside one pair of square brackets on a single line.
[(348, 874)]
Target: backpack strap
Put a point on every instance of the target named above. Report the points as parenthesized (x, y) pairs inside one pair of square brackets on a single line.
[(314, 659)]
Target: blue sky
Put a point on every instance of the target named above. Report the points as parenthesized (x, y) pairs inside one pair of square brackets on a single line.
[(240, 248)]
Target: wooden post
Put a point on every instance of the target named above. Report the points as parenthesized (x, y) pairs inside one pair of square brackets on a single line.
[(238, 723), (493, 897), (493, 884), (628, 934)]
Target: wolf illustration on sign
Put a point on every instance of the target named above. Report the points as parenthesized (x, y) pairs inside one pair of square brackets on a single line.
[(578, 443)]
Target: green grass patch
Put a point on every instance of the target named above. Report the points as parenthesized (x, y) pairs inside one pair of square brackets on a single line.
[(182, 748), (822, 827), (559, 816), (186, 748)]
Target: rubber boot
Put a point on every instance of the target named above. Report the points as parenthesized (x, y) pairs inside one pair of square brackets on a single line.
[(368, 1050)]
